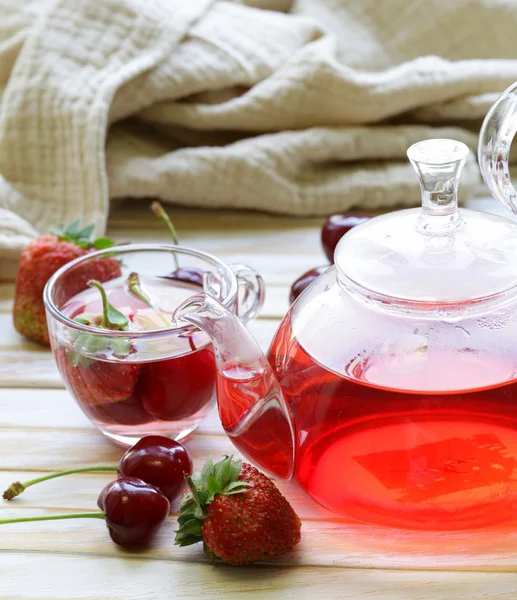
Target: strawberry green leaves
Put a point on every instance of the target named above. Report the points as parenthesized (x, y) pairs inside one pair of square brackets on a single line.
[(110, 319), (221, 478), (81, 236)]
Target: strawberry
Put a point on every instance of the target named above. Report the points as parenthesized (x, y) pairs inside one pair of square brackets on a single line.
[(42, 258), (98, 382), (94, 382), (237, 512)]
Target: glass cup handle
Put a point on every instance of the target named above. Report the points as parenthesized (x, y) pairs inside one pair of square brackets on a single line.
[(495, 140), (252, 291)]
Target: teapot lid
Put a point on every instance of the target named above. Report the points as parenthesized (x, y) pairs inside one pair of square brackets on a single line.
[(437, 253)]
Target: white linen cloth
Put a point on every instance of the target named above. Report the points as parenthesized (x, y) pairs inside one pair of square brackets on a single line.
[(235, 104)]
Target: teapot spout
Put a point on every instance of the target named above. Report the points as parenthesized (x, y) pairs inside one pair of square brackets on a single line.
[(250, 401)]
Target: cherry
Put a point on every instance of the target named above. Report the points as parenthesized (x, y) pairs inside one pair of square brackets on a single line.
[(124, 412), (335, 228), (304, 281), (191, 275), (176, 389), (159, 461), (134, 510)]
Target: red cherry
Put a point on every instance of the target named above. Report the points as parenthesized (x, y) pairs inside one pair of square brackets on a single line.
[(177, 388), (159, 461), (133, 509), (125, 412), (335, 228), (191, 275), (304, 281)]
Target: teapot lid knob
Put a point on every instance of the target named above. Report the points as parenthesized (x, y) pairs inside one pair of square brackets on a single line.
[(438, 164)]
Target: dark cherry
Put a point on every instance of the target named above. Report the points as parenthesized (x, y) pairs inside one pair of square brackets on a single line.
[(304, 281), (159, 461), (134, 510), (335, 228), (176, 389), (124, 412), (191, 275)]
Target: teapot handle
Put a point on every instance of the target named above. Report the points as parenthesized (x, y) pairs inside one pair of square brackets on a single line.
[(495, 140), (252, 291)]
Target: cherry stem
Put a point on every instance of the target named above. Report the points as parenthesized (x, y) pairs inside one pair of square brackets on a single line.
[(159, 211), (94, 515), (104, 302), (135, 288), (16, 488)]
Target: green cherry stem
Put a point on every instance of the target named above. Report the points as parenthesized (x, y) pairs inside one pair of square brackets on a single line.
[(133, 282), (16, 488), (94, 515), (159, 211), (111, 317)]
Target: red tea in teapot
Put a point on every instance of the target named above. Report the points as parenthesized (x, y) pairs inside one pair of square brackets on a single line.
[(371, 446)]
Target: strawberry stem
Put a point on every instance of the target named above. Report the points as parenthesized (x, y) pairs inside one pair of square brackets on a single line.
[(159, 211), (135, 288), (193, 488), (16, 488), (94, 515), (111, 317)]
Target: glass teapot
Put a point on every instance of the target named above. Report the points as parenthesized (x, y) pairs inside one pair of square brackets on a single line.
[(389, 391)]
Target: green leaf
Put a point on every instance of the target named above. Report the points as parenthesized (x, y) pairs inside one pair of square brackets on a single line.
[(120, 346), (223, 472), (200, 513), (236, 487), (191, 527), (214, 487), (115, 317), (82, 320), (102, 243), (85, 233), (202, 477), (76, 359), (236, 466), (187, 540), (187, 516), (73, 229), (186, 501), (203, 497)]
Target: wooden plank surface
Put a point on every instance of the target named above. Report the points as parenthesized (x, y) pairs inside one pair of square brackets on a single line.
[(41, 429)]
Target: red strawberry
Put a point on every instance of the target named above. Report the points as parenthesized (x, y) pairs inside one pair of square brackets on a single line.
[(238, 513), (40, 260), (95, 382)]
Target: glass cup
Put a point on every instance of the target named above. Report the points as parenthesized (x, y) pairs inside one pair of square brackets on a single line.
[(151, 379)]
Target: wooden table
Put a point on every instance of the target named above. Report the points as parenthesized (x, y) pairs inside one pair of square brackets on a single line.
[(43, 430)]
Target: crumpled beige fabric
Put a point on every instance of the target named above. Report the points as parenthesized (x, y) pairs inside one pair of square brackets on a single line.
[(235, 104)]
